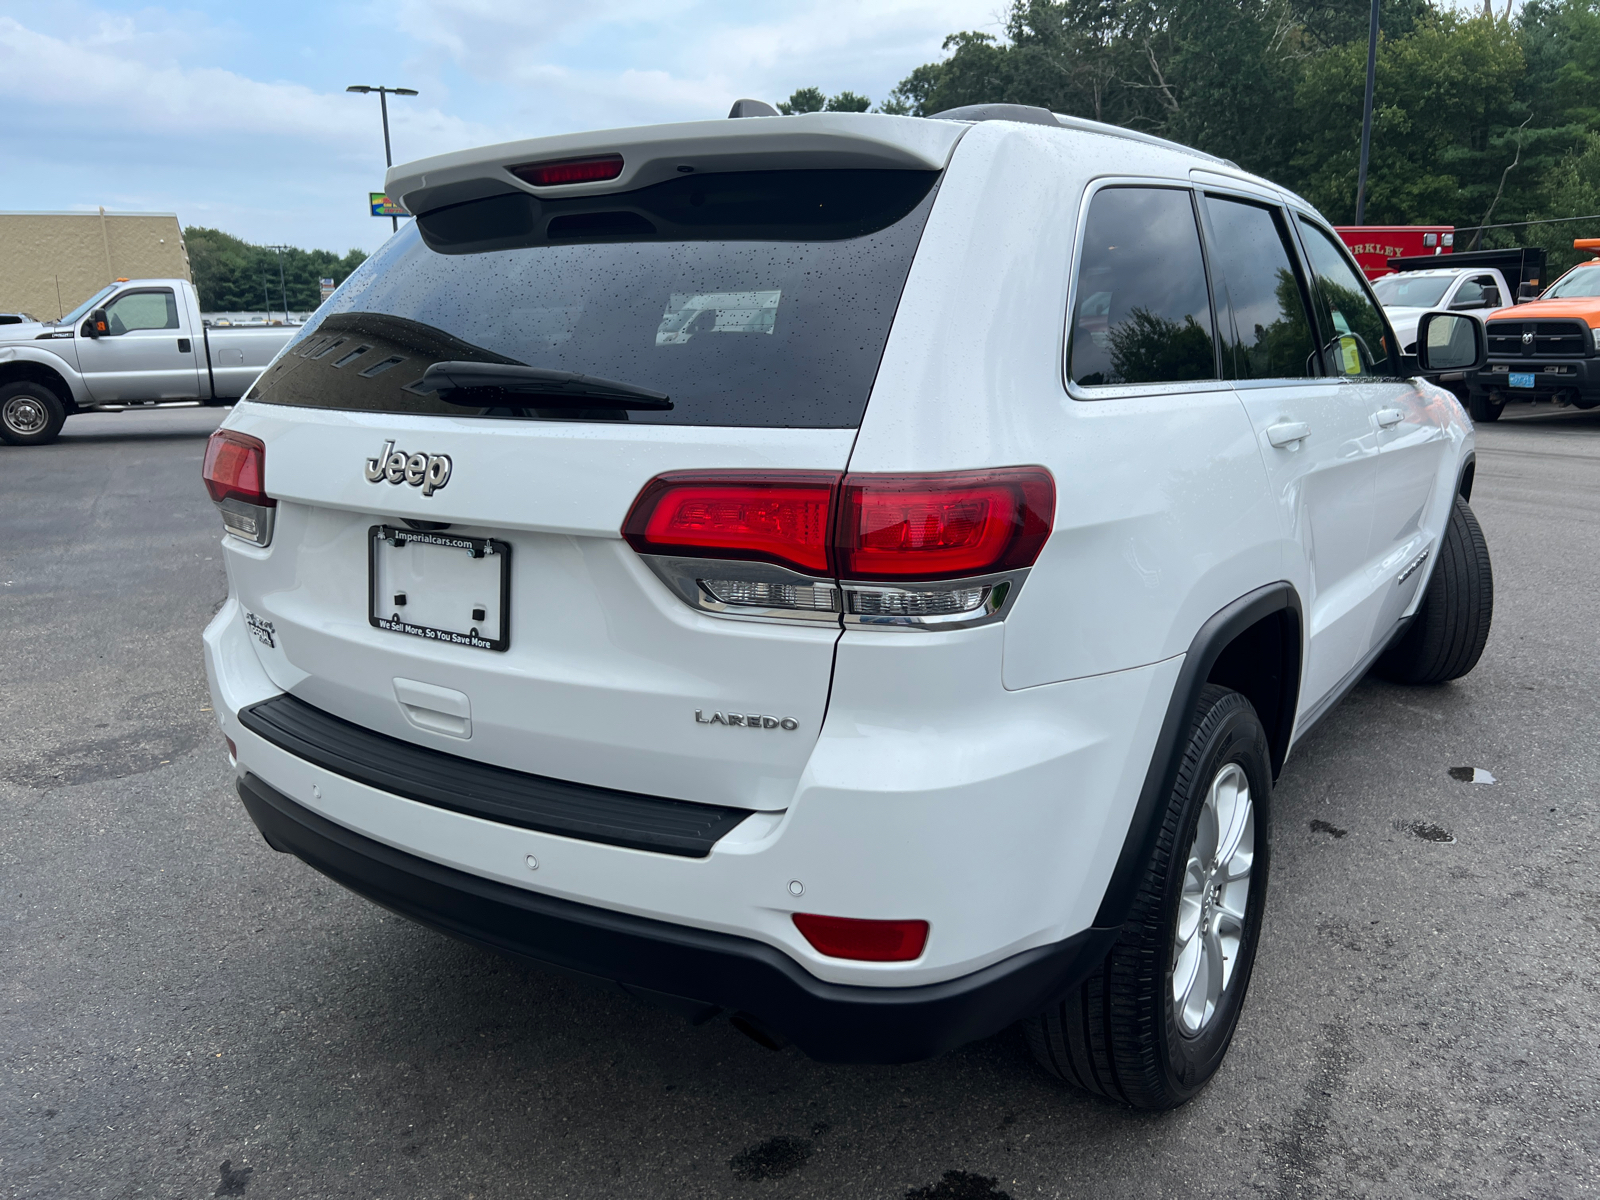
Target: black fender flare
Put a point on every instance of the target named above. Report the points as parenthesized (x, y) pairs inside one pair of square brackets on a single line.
[(1219, 630)]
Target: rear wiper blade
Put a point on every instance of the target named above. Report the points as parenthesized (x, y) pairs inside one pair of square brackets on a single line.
[(457, 381)]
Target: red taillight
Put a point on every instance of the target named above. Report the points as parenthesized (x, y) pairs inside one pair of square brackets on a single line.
[(873, 527), (865, 941), (943, 526), (570, 170), (779, 517), (236, 466)]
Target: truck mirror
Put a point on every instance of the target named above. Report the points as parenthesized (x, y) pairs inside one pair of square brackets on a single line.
[(1527, 291), (1448, 342), (98, 325)]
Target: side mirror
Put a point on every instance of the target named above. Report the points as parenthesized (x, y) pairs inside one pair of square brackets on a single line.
[(1447, 342), (98, 325), (1462, 305), (1527, 291)]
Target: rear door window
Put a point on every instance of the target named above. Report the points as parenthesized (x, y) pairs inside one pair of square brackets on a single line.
[(1253, 267), (1355, 335), (1143, 310), (748, 298)]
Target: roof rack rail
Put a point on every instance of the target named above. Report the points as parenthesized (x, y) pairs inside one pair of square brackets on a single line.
[(1028, 114)]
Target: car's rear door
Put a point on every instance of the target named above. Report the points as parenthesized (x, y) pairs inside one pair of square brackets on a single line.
[(448, 567)]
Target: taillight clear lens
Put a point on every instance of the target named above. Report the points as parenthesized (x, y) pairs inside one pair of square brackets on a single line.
[(777, 517), (864, 941), (236, 467), (943, 526)]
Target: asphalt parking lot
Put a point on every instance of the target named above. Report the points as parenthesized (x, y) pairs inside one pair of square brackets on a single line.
[(185, 1013)]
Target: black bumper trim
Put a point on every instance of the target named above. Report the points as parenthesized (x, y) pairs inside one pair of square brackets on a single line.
[(829, 1021), (575, 810)]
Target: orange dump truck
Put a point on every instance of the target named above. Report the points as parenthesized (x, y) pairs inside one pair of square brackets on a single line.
[(1545, 349)]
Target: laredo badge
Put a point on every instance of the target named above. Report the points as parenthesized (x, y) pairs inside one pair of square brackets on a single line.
[(745, 720)]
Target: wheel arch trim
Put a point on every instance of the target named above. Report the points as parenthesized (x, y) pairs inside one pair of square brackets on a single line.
[(20, 366), (1218, 632)]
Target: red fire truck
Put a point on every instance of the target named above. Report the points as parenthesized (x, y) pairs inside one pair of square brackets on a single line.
[(1375, 245)]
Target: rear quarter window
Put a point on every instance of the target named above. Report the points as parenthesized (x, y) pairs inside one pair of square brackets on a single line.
[(748, 298)]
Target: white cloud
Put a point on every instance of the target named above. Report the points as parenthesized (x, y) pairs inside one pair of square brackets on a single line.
[(237, 117)]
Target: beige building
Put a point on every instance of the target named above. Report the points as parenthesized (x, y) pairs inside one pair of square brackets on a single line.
[(52, 262)]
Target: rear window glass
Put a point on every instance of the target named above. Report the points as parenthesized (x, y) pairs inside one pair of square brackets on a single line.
[(749, 298), (1411, 291)]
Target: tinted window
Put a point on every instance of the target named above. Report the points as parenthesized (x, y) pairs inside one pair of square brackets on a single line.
[(1254, 269), (143, 310), (751, 299), (1353, 322), (1143, 311)]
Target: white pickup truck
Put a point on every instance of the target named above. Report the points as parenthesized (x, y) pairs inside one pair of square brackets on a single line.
[(134, 343), (1406, 295)]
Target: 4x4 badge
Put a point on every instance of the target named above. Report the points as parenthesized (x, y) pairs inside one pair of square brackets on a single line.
[(430, 472)]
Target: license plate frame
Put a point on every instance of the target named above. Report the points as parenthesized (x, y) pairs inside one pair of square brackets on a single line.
[(1520, 379), (475, 548)]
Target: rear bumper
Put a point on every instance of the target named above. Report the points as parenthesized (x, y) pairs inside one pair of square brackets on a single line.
[(829, 1021)]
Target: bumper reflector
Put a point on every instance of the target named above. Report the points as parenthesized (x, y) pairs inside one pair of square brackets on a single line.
[(864, 941)]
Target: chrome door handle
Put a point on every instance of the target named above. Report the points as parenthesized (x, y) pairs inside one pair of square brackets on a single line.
[(1388, 418), (1288, 433)]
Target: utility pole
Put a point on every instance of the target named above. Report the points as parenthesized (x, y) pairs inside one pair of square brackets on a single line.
[(383, 106), (1366, 115), (282, 287)]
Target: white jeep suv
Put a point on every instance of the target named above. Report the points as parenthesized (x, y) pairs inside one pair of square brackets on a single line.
[(860, 574)]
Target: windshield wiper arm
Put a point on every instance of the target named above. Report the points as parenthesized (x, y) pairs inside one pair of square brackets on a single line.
[(545, 388)]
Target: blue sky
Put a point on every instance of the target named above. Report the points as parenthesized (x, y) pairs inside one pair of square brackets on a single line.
[(236, 116)]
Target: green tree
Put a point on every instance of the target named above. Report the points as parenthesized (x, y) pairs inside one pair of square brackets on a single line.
[(1573, 190), (848, 102), (804, 100), (810, 99), (231, 275)]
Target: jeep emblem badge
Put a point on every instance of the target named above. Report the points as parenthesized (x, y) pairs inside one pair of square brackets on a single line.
[(430, 472)]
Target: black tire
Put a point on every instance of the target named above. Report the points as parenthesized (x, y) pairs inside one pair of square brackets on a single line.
[(1118, 1034), (30, 414), (1451, 627), (1485, 407)]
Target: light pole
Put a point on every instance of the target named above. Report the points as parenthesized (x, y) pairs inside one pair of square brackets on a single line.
[(282, 287), (1366, 115), (383, 106)]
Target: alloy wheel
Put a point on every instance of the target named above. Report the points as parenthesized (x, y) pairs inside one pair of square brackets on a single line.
[(1216, 893)]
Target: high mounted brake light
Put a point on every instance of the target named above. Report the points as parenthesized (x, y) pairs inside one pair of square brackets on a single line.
[(926, 549), (569, 170), (235, 474)]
